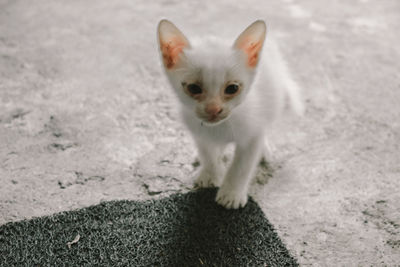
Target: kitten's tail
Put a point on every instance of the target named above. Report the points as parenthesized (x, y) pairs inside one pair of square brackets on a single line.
[(293, 91), (294, 97)]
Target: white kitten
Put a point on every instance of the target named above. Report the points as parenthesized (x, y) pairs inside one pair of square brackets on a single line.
[(226, 100)]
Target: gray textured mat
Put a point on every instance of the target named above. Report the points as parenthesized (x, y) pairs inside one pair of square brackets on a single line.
[(181, 230)]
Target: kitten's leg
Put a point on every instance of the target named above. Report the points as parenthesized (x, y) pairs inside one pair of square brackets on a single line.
[(212, 168), (233, 192)]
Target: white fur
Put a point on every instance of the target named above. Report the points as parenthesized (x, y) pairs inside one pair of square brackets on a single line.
[(249, 114)]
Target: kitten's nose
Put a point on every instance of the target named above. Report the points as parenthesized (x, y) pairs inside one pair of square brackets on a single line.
[(213, 110)]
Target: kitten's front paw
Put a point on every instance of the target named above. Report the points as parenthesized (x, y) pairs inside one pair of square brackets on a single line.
[(231, 199), (208, 178)]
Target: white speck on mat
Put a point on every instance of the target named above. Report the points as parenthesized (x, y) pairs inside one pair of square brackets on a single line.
[(76, 239)]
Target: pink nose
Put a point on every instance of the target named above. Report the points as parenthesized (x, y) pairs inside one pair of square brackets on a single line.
[(213, 110)]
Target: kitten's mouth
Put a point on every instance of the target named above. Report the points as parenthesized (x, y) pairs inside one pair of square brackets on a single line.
[(212, 121)]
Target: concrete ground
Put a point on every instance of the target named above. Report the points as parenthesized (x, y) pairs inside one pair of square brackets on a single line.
[(86, 116)]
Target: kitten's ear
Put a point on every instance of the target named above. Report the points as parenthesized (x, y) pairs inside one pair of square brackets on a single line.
[(251, 40), (171, 43)]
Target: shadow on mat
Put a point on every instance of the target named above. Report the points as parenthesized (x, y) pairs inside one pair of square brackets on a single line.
[(181, 230)]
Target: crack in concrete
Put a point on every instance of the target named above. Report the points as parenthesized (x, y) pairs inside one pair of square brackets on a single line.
[(81, 180), (62, 146)]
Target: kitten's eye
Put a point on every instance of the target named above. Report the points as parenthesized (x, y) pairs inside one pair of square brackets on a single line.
[(194, 89), (231, 89)]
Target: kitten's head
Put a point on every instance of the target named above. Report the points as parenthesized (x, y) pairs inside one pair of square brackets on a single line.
[(210, 77)]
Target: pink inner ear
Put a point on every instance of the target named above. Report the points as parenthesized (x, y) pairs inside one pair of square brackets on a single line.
[(252, 53), (171, 50), (252, 49)]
